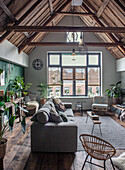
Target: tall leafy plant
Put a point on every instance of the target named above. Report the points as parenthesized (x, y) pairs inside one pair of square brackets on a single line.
[(115, 90), (43, 88)]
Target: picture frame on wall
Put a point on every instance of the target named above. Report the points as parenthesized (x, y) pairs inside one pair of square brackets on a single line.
[(2, 78)]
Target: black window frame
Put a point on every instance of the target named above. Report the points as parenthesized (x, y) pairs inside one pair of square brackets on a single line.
[(86, 68)]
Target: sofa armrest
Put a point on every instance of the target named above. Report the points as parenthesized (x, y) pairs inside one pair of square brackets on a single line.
[(67, 105)]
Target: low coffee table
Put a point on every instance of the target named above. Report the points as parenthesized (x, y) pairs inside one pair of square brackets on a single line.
[(95, 120)]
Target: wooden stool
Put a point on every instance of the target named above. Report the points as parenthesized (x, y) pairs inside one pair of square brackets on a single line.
[(96, 122)]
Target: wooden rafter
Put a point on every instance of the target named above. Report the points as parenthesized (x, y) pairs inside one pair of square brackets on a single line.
[(20, 20), (7, 11), (93, 44), (22, 46), (75, 13), (65, 29), (51, 10), (112, 38), (102, 8)]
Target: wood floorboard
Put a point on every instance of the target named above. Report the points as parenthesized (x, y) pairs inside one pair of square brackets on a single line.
[(19, 155)]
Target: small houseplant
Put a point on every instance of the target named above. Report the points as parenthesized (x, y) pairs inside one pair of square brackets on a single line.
[(115, 92), (18, 85), (43, 88)]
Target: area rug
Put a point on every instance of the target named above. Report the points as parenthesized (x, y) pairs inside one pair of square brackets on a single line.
[(112, 132)]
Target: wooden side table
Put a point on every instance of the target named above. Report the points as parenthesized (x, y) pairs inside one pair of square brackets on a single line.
[(95, 120)]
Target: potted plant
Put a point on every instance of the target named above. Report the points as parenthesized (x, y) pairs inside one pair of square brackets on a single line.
[(43, 92), (18, 85), (115, 92), (3, 128), (3, 141), (25, 88)]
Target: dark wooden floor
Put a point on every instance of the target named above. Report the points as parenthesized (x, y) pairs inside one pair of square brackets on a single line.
[(19, 156)]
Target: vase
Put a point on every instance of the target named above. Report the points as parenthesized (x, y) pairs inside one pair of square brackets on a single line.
[(3, 148)]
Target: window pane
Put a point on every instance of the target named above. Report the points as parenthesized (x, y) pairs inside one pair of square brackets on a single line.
[(79, 73), (54, 91), (80, 87), (67, 87), (67, 60), (54, 75), (93, 60), (67, 73), (93, 76), (54, 59), (93, 90)]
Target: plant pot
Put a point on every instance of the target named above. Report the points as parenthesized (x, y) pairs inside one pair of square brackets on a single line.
[(117, 100), (3, 148), (42, 101)]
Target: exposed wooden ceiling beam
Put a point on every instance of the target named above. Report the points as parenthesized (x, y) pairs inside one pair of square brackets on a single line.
[(7, 11), (51, 10), (6, 34), (65, 29), (75, 13), (112, 38), (102, 8), (22, 46), (93, 44)]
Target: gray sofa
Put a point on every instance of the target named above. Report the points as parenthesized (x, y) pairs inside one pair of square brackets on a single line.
[(55, 137)]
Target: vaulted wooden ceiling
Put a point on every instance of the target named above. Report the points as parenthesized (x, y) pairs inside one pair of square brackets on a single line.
[(29, 13)]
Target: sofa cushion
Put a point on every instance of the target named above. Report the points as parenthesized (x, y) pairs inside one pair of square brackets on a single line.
[(69, 113), (54, 117), (42, 116)]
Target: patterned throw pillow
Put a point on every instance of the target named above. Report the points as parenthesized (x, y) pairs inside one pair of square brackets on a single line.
[(60, 107), (56, 101)]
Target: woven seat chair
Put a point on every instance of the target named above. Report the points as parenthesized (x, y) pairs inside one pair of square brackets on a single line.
[(97, 148)]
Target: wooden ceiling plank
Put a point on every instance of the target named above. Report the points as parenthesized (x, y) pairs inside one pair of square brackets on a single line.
[(21, 19), (102, 8), (65, 29), (22, 47), (93, 44), (35, 15), (7, 11), (99, 22), (117, 12)]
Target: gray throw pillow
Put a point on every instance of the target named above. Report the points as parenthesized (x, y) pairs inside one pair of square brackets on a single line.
[(54, 117), (41, 116), (63, 116)]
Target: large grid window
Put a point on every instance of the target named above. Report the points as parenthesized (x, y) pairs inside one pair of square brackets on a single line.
[(81, 77)]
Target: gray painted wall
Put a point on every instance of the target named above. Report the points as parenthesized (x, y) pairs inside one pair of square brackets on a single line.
[(121, 64), (109, 74), (9, 52)]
